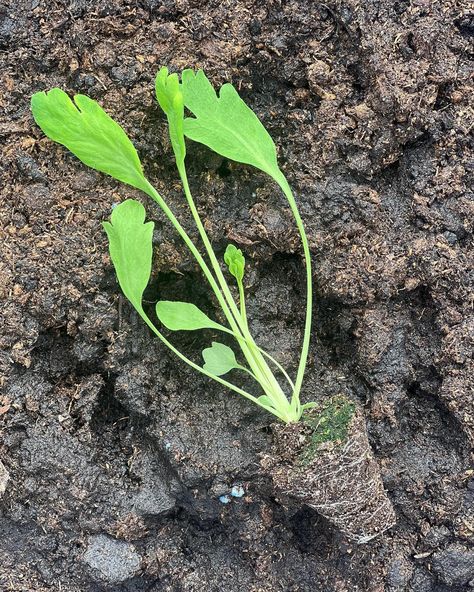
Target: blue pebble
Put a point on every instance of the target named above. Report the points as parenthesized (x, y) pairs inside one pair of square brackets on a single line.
[(237, 491), (224, 499)]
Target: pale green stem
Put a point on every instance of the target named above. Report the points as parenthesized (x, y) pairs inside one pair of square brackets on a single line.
[(279, 366), (243, 311), (264, 353), (309, 293), (250, 350), (244, 369), (247, 350), (153, 193)]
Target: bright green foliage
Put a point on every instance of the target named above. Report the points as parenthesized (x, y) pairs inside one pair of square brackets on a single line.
[(235, 261), (184, 316), (89, 133), (130, 247), (170, 98), (219, 359), (225, 124)]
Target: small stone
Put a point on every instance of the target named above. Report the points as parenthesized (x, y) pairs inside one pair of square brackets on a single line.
[(114, 561), (224, 499), (237, 491), (451, 237)]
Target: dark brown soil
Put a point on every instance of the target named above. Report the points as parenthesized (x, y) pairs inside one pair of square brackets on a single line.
[(117, 453)]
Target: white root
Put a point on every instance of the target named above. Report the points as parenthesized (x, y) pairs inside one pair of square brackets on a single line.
[(341, 482)]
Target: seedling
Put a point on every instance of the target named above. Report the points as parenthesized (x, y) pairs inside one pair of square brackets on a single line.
[(228, 126)]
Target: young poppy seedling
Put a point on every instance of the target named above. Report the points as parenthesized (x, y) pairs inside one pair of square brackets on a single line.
[(225, 124)]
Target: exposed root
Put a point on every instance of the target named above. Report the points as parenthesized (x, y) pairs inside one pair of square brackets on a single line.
[(339, 479)]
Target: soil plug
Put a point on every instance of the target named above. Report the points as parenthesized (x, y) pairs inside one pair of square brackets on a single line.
[(326, 462)]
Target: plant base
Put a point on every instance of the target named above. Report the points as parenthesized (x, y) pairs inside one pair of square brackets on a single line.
[(326, 462)]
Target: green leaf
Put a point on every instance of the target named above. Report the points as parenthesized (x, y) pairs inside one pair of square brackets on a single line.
[(184, 316), (130, 247), (89, 133), (225, 124), (219, 359), (235, 261), (170, 98)]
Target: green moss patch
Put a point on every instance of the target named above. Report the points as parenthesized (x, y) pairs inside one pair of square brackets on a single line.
[(328, 422)]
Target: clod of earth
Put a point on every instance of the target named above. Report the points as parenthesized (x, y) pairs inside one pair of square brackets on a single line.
[(454, 565), (113, 561), (326, 462)]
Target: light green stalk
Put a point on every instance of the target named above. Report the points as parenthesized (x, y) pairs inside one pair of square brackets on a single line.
[(251, 351), (295, 400)]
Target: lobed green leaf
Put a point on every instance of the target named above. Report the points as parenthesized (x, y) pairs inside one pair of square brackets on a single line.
[(170, 99), (226, 124), (89, 133), (130, 247)]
